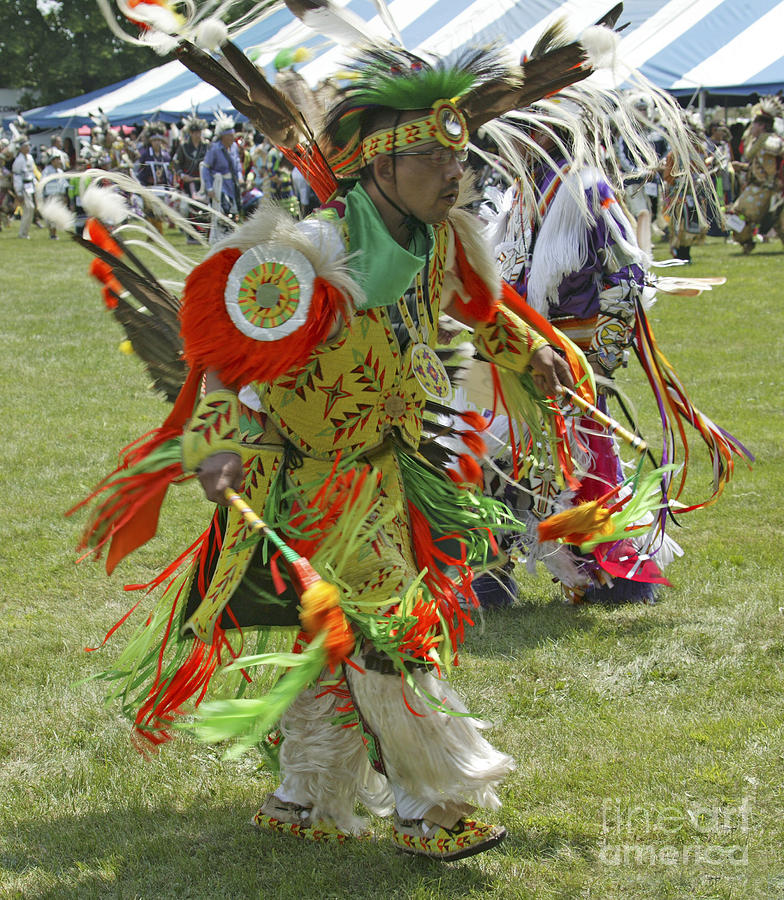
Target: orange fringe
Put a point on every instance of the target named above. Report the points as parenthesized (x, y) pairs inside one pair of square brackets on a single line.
[(129, 514)]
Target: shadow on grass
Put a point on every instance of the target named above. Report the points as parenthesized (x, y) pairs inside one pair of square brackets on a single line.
[(526, 625), (137, 851), (533, 841)]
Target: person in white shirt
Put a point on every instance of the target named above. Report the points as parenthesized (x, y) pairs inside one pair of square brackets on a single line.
[(57, 148), (24, 186)]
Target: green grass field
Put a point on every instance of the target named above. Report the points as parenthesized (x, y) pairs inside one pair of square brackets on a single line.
[(649, 740)]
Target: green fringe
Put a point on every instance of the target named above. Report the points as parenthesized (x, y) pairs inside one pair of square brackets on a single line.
[(271, 748), (646, 497), (247, 722), (452, 510), (418, 91), (531, 413), (135, 668)]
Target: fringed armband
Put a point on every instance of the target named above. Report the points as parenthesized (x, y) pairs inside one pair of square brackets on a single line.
[(214, 428)]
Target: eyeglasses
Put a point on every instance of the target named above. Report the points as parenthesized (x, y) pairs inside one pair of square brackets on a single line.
[(440, 156)]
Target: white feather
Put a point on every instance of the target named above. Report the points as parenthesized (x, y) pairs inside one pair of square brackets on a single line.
[(105, 204), (562, 245), (154, 200), (222, 122), (340, 25), (495, 213), (211, 33), (562, 248), (600, 45), (156, 17), (161, 43), (385, 14), (662, 548), (57, 215), (161, 24)]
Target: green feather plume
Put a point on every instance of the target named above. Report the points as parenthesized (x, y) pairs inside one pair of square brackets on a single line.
[(394, 78)]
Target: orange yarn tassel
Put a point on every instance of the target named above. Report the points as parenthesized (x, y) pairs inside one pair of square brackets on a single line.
[(94, 231), (474, 443), (474, 420), (112, 288), (320, 611)]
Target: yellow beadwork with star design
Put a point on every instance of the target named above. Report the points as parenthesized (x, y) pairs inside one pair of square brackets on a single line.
[(354, 391)]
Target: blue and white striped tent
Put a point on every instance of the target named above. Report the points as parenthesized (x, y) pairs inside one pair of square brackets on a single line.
[(684, 46)]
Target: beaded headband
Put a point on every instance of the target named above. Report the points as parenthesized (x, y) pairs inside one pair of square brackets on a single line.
[(445, 124)]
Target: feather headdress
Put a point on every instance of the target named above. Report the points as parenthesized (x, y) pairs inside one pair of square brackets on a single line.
[(193, 123), (222, 123), (395, 78), (769, 107)]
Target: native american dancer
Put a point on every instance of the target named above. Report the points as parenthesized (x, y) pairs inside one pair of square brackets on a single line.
[(221, 171), (686, 205), (310, 353), (760, 205), (569, 249), (186, 163), (586, 273)]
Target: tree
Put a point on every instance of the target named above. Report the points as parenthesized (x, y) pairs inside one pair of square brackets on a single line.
[(56, 49)]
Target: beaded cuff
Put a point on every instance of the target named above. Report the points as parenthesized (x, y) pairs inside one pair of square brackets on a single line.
[(213, 429)]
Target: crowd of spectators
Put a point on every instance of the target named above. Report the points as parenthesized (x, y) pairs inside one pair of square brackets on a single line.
[(200, 166), (179, 164)]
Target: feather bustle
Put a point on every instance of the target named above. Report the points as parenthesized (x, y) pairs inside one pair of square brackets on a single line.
[(212, 340)]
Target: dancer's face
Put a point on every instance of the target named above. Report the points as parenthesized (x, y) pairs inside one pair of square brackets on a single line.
[(424, 182), (428, 185)]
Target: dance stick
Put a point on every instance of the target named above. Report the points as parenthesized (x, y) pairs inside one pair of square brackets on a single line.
[(614, 426), (320, 600), (258, 525)]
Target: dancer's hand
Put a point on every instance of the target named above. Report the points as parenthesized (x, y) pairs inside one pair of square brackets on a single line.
[(550, 371), (218, 472)]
